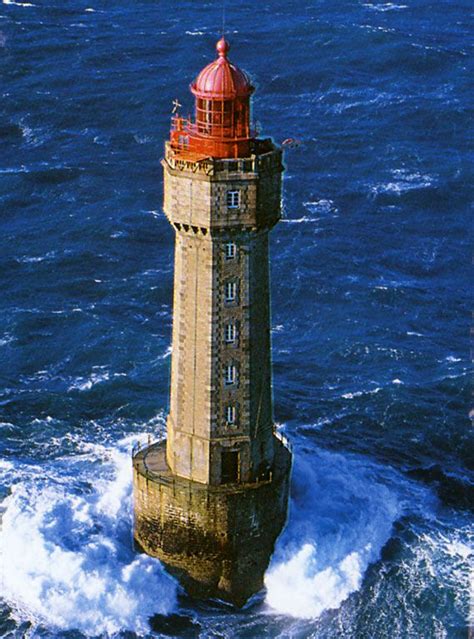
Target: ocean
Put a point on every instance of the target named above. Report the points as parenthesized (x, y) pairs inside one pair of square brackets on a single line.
[(370, 311)]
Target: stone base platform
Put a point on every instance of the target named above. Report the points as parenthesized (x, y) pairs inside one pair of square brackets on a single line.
[(217, 540)]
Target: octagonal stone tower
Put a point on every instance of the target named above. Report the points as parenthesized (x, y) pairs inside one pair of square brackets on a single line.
[(211, 500)]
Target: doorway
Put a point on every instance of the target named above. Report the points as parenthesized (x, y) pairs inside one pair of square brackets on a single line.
[(230, 467)]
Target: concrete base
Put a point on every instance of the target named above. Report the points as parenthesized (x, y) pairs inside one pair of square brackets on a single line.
[(217, 540)]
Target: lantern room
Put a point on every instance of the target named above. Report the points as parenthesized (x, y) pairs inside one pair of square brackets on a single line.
[(221, 127)]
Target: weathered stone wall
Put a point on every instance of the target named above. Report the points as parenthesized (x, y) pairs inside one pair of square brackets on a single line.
[(196, 196), (196, 204), (199, 395), (189, 428), (218, 541)]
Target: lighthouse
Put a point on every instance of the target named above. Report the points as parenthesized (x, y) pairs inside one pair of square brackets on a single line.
[(211, 500)]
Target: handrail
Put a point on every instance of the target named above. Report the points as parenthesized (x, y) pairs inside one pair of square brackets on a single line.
[(174, 481), (139, 446), (182, 159)]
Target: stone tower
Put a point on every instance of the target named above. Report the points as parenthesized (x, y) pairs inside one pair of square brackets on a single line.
[(211, 500)]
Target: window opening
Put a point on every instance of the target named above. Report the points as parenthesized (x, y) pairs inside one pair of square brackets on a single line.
[(230, 414), (230, 374), (230, 250), (230, 292), (233, 199), (230, 333)]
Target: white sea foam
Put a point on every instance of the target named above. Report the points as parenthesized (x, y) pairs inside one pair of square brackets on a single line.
[(372, 391), (19, 4), (30, 136), (403, 181), (167, 352), (372, 28), (341, 515), (102, 140), (6, 339), (444, 556), (300, 220), (70, 562), (7, 171), (33, 259), (86, 383), (321, 206), (5, 465), (387, 6)]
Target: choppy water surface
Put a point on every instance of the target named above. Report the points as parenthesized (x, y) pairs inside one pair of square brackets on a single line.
[(370, 311)]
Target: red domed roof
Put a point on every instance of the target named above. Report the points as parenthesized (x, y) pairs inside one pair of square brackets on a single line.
[(221, 79)]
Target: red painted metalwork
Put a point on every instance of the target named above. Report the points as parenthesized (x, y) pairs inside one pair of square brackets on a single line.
[(222, 113)]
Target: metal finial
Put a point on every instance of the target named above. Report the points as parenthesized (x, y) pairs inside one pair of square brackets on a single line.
[(222, 47)]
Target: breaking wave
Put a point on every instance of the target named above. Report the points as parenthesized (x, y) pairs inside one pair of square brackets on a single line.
[(70, 561), (342, 512)]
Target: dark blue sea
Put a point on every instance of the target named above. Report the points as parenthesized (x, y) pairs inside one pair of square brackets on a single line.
[(370, 311)]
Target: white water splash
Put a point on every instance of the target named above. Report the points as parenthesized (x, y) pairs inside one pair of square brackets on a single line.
[(298, 588), (167, 353), (341, 515), (67, 557)]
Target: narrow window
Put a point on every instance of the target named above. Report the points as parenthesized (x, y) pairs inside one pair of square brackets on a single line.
[(230, 374), (230, 250), (230, 333), (230, 292), (230, 414), (233, 199)]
